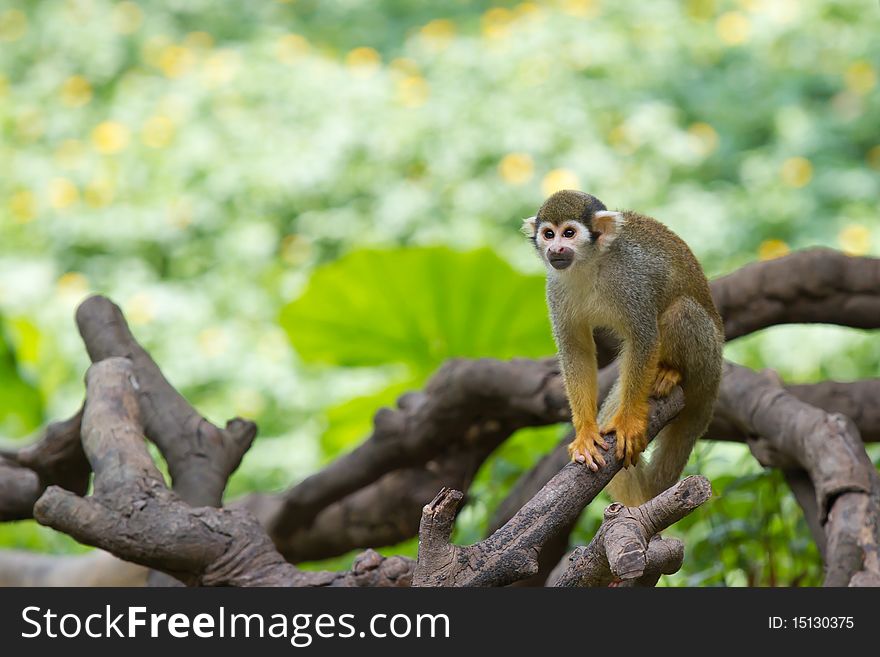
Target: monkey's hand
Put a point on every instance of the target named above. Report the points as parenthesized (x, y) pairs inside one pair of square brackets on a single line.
[(585, 448), (630, 427)]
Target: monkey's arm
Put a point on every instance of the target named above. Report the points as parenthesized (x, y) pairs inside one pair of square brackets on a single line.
[(638, 370), (578, 360)]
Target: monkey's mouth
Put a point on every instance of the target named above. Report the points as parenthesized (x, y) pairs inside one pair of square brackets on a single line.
[(560, 261)]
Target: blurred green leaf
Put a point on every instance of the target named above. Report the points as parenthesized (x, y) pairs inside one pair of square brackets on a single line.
[(349, 422), (418, 306), (21, 407)]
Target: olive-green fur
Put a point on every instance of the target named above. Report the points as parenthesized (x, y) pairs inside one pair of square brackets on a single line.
[(649, 289)]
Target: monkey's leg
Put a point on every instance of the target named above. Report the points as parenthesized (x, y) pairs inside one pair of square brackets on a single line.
[(637, 374), (578, 360), (667, 378)]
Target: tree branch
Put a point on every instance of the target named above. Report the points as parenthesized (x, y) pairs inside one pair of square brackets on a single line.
[(787, 433), (510, 553), (806, 287), (453, 409), (134, 516), (55, 459), (200, 455), (623, 550)]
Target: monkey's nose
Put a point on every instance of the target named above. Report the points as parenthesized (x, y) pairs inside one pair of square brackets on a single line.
[(560, 257)]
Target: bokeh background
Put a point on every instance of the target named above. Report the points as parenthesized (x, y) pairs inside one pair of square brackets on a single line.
[(304, 207)]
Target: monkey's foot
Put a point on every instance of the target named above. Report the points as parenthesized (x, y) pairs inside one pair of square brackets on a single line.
[(585, 449), (632, 438), (667, 378)]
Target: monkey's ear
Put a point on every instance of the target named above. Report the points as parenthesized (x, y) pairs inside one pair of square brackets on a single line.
[(606, 227), (528, 227)]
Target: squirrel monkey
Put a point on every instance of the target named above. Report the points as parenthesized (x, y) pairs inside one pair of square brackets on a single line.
[(631, 274)]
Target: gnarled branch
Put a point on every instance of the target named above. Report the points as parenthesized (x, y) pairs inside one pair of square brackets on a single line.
[(134, 516), (624, 548), (510, 553)]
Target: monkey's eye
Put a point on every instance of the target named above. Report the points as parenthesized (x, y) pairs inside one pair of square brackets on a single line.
[(568, 232), (548, 234)]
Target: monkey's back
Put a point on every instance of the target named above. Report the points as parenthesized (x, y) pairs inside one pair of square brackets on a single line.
[(685, 276)]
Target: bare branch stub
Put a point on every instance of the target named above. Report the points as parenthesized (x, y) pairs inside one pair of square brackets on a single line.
[(56, 459), (625, 550), (135, 517), (200, 455), (511, 552)]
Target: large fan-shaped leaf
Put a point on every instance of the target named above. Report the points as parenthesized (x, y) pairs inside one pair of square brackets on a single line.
[(418, 306)]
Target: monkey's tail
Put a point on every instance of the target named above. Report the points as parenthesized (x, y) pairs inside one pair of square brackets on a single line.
[(671, 449)]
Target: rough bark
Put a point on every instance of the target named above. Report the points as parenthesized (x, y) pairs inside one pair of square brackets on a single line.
[(55, 459), (134, 516), (453, 409), (810, 286), (621, 549), (200, 455), (787, 433), (511, 552)]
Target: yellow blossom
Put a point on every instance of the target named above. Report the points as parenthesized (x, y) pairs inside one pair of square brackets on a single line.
[(140, 309), (404, 66), (771, 249), (797, 172), (99, 192), (412, 91), (72, 285), (700, 9), (495, 23), (706, 137), (528, 10), (855, 239), (860, 77), (438, 33), (247, 402), (199, 41), (110, 137), (175, 61), (290, 47), (221, 67), (76, 91), (127, 17), (13, 25), (363, 61), (581, 8), (558, 179), (733, 28), (23, 206), (516, 168), (213, 341), (62, 193)]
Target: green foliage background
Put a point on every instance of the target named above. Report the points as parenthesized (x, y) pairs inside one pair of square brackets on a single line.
[(304, 207)]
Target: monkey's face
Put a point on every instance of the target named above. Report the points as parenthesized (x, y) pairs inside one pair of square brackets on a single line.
[(561, 245), (572, 227)]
